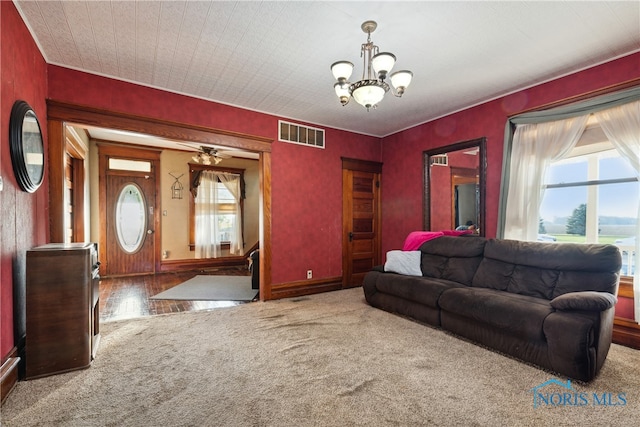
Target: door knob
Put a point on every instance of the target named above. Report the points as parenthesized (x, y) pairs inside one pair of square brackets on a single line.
[(149, 231), (351, 236)]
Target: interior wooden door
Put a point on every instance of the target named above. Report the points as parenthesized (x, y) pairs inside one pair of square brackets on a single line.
[(361, 219)]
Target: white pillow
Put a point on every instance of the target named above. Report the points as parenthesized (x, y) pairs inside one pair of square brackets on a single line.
[(404, 262)]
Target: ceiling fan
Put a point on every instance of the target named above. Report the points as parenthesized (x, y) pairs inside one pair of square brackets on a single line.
[(208, 155)]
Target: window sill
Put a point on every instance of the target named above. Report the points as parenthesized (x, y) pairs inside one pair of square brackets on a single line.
[(223, 245)]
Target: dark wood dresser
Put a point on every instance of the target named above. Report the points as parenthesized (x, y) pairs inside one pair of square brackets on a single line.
[(62, 310)]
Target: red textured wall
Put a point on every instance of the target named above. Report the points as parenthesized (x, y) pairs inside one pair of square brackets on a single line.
[(402, 152), (307, 204), (624, 308), (306, 182), (24, 216)]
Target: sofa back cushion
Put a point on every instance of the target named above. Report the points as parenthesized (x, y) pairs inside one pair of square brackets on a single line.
[(546, 270), (452, 258)]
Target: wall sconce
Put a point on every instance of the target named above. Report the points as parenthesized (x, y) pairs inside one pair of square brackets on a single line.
[(176, 188)]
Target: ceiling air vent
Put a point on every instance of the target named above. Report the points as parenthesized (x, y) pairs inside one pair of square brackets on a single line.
[(297, 134)]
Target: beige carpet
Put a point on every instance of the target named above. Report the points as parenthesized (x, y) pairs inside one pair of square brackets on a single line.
[(323, 360)]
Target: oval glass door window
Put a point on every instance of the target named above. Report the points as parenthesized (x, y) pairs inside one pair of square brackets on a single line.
[(131, 218)]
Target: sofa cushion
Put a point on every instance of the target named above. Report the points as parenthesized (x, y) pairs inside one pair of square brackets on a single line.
[(452, 258), (576, 281), (422, 290), (518, 315), (546, 270), (588, 300), (403, 262)]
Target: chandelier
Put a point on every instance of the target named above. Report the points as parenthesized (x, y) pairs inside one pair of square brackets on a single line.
[(371, 89)]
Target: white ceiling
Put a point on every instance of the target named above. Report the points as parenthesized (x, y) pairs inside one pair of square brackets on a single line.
[(274, 56)]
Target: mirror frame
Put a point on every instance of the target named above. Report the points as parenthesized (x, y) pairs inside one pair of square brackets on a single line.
[(29, 177), (481, 143)]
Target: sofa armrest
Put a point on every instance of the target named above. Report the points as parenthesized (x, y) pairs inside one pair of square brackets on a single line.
[(586, 300)]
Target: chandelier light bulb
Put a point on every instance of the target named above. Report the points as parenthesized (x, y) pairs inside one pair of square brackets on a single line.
[(342, 70), (368, 95), (401, 80), (342, 90), (383, 63)]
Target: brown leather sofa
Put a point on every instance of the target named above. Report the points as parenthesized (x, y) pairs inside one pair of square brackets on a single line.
[(550, 304)]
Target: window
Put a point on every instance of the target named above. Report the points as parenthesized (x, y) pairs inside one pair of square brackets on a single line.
[(549, 160), (131, 218), (226, 212), (592, 196), (129, 165), (216, 217)]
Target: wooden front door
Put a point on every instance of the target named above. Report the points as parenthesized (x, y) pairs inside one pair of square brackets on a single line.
[(130, 228), (361, 219), (128, 213)]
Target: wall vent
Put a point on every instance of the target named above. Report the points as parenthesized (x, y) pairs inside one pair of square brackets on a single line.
[(298, 134), (440, 160)]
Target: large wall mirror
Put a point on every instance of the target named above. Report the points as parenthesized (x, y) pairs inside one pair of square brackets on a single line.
[(454, 186)]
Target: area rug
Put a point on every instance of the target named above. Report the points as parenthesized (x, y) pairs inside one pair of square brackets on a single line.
[(212, 288), (323, 360)]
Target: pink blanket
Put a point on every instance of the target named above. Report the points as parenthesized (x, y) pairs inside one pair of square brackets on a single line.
[(415, 239)]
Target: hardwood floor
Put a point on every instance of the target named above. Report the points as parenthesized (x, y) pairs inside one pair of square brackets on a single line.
[(129, 297)]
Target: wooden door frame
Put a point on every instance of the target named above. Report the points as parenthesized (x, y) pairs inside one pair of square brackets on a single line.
[(59, 113), (78, 151), (360, 166), (61, 144)]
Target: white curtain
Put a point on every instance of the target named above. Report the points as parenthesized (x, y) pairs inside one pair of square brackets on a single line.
[(207, 234), (622, 127), (207, 207), (232, 183), (535, 146)]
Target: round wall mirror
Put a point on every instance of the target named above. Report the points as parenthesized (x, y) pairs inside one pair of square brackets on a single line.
[(26, 147)]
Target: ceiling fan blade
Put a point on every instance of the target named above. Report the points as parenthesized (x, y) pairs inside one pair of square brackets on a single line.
[(188, 147)]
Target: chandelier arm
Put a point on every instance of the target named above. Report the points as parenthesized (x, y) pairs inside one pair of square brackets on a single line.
[(363, 55)]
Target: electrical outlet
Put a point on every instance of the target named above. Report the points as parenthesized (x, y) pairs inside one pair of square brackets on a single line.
[(309, 274)]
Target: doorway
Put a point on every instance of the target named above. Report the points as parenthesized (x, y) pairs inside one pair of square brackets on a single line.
[(361, 219), (128, 211), (465, 189), (60, 113)]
